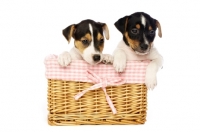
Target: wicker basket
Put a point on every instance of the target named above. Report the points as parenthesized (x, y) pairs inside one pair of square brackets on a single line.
[(130, 101)]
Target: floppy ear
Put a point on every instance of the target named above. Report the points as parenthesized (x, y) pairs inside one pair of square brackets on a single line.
[(121, 24), (105, 30), (69, 32), (159, 29)]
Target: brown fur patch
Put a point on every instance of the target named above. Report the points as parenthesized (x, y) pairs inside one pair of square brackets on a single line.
[(72, 29), (99, 37), (106, 31), (150, 28), (159, 29), (134, 44), (138, 26), (87, 36), (126, 23), (79, 45), (101, 48)]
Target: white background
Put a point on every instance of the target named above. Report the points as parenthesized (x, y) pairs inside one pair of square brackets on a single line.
[(31, 30)]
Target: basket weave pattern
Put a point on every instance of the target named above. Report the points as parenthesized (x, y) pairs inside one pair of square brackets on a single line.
[(92, 108), (122, 100)]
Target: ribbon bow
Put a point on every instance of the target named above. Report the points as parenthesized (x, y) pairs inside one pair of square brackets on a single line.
[(101, 83)]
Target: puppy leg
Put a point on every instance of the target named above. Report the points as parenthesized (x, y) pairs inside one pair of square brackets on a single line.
[(152, 68), (64, 59), (119, 61), (150, 79)]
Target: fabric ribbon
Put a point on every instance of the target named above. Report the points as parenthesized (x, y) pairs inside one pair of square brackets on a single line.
[(101, 83)]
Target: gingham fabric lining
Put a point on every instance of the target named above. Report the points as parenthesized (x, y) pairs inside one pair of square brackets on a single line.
[(77, 70)]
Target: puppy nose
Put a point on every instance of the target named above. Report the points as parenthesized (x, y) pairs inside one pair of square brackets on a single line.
[(143, 46), (96, 57)]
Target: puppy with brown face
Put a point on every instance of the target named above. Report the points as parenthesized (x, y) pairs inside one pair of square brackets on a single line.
[(88, 42), (139, 31)]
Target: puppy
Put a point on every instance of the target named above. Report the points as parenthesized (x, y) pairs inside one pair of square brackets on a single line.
[(138, 32), (88, 42)]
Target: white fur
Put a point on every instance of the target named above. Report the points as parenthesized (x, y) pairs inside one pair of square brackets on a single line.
[(119, 62), (124, 53), (143, 20), (66, 57), (145, 39), (91, 29)]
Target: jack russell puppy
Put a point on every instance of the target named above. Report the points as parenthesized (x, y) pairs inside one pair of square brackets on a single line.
[(138, 32), (88, 43)]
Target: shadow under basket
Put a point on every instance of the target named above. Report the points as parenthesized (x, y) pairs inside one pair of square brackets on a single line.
[(130, 101)]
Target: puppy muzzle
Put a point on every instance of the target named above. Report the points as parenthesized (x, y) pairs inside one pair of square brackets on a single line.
[(143, 49)]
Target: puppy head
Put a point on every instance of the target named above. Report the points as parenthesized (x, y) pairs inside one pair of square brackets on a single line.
[(88, 39), (138, 31)]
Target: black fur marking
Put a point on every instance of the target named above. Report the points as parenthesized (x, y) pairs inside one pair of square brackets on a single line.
[(97, 29), (120, 24)]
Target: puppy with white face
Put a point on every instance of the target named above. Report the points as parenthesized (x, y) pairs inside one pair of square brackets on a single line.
[(138, 32), (88, 42)]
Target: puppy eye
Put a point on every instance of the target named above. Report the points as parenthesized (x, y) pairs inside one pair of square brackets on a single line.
[(101, 41), (151, 32), (134, 31), (85, 41)]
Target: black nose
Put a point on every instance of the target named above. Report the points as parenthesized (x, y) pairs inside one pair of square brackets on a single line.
[(96, 57), (143, 46)]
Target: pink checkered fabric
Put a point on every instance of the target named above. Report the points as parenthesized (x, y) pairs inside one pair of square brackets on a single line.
[(77, 70), (101, 75)]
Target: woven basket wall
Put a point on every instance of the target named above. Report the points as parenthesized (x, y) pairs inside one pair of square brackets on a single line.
[(130, 101)]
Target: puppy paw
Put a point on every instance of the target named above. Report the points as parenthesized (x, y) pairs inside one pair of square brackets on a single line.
[(119, 64), (64, 59), (107, 58), (150, 81)]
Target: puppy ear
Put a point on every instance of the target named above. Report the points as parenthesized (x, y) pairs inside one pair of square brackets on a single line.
[(69, 32), (105, 30), (121, 24), (159, 29)]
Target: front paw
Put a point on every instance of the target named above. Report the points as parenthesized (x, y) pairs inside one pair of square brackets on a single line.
[(64, 59), (119, 64), (151, 80), (107, 58)]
